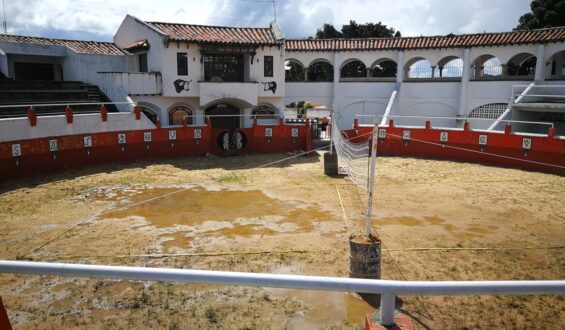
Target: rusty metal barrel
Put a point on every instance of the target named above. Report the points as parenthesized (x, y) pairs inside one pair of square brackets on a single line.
[(365, 262)]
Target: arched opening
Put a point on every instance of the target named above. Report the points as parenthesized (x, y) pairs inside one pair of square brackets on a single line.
[(294, 71), (223, 115), (487, 67), (321, 71), (419, 68), (264, 111), (522, 65), (353, 69), (384, 69), (557, 69), (449, 67), (178, 114), (149, 113)]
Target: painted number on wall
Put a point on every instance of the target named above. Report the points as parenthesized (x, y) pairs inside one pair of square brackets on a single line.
[(382, 133), (172, 135), (146, 136), (121, 138), (443, 136), (406, 135), (268, 132), (16, 150), (483, 139), (87, 141), (53, 146), (527, 143), (294, 132), (198, 133)]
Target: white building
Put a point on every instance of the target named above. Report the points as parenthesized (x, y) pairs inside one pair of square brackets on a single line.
[(182, 72)]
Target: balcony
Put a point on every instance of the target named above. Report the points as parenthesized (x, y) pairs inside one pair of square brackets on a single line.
[(134, 83), (212, 91)]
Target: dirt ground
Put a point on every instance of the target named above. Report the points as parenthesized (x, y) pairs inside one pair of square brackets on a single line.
[(438, 220)]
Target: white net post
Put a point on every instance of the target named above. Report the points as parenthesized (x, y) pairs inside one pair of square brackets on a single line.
[(371, 185)]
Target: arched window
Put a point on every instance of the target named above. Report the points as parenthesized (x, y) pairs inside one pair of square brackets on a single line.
[(420, 69), (263, 112), (354, 69), (449, 67), (521, 65), (178, 114), (294, 71), (487, 67), (149, 113), (557, 69), (320, 71), (385, 69)]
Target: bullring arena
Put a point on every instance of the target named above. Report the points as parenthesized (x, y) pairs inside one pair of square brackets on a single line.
[(225, 214), (236, 189)]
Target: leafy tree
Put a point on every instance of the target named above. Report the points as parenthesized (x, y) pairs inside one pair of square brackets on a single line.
[(544, 14), (354, 30)]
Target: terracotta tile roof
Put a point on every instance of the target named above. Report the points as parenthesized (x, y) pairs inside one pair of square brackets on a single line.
[(216, 34), (138, 45), (449, 41), (78, 46)]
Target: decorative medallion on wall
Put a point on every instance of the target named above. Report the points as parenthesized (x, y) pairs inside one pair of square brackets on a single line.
[(182, 85), (270, 86)]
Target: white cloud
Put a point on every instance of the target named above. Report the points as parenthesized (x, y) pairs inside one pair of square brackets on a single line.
[(298, 18)]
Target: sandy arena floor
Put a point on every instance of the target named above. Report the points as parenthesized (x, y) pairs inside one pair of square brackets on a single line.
[(438, 221)]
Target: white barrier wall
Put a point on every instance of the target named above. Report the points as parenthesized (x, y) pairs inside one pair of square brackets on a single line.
[(16, 129)]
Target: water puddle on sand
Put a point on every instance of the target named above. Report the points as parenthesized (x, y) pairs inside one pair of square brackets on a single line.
[(247, 212), (175, 240), (325, 308)]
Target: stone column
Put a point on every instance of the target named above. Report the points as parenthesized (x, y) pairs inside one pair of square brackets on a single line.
[(433, 71), (400, 67), (335, 101), (540, 64), (464, 82)]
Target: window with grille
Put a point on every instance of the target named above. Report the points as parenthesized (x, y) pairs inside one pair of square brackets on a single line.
[(268, 68), (490, 111), (182, 64), (554, 116)]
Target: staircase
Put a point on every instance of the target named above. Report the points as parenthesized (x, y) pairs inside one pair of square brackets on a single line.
[(17, 93)]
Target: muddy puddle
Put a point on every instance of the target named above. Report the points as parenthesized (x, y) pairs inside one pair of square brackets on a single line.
[(325, 308), (185, 215)]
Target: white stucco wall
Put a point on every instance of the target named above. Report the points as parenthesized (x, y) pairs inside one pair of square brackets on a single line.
[(16, 129)]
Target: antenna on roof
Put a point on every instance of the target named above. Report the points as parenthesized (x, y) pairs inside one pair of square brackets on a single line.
[(5, 24), (274, 8)]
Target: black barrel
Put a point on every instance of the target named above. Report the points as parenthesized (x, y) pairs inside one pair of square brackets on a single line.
[(330, 164)]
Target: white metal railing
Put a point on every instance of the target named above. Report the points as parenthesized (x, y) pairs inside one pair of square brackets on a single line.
[(521, 97), (388, 289), (457, 118), (389, 105)]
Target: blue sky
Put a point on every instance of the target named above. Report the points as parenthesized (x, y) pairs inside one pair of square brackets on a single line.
[(98, 20)]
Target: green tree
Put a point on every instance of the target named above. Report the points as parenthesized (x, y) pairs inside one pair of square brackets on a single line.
[(354, 30), (544, 14)]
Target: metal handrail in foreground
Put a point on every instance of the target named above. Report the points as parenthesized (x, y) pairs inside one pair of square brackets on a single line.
[(387, 288)]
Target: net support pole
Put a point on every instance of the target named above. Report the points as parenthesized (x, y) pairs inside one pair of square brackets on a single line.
[(331, 130), (371, 186)]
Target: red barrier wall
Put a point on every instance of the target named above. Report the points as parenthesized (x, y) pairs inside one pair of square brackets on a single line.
[(37, 155), (545, 153)]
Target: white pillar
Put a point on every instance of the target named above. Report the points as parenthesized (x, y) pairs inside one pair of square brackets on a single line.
[(540, 67), (335, 101), (400, 67), (464, 82)]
